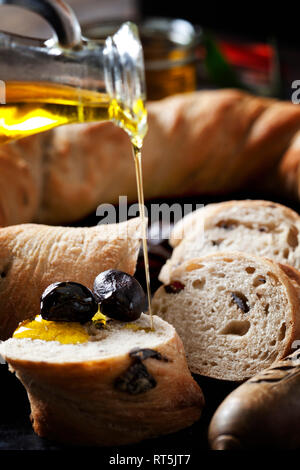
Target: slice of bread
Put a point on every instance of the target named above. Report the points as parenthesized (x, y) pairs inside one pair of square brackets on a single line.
[(263, 228), (236, 313), (123, 385)]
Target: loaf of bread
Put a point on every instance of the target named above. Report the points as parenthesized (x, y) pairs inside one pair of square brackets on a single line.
[(263, 413), (32, 256), (263, 228), (123, 385), (204, 142), (236, 313)]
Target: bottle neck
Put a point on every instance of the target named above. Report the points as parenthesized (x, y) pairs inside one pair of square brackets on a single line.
[(124, 66), (125, 81)]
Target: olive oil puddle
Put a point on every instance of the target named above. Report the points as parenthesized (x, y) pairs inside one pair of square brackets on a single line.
[(67, 332)]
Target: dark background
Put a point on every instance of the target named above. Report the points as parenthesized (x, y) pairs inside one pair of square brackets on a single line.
[(255, 20)]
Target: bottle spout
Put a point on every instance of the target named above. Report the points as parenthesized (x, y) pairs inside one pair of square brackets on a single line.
[(125, 73)]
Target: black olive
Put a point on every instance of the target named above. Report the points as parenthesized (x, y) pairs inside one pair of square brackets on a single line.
[(120, 295), (68, 301)]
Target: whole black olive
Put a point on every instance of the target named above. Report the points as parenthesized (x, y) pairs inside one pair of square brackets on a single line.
[(120, 295), (68, 301)]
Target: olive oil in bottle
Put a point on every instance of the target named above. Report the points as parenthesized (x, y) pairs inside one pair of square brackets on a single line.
[(35, 107)]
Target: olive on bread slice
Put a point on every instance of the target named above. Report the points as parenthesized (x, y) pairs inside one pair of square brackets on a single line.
[(97, 380), (236, 313), (120, 386), (33, 256)]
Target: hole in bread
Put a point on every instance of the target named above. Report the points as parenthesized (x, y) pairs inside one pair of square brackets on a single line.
[(266, 308), (258, 281), (272, 277), (286, 253), (292, 237), (198, 283), (240, 300), (192, 266), (236, 327), (273, 342), (217, 242), (250, 270), (216, 274), (229, 224), (228, 260), (282, 332)]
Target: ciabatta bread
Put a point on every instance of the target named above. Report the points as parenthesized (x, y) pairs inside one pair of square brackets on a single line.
[(263, 228), (122, 386), (236, 313), (205, 142), (32, 256)]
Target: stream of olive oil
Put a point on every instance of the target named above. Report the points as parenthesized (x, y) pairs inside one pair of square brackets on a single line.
[(137, 154), (34, 107)]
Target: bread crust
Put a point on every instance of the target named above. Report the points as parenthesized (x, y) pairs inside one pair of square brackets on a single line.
[(77, 402), (32, 256)]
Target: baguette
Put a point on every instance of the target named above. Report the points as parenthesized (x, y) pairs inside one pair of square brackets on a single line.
[(32, 256), (204, 142), (260, 227), (122, 386), (236, 313)]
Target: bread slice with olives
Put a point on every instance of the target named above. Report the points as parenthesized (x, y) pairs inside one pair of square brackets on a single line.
[(236, 313), (260, 227), (124, 384), (32, 256)]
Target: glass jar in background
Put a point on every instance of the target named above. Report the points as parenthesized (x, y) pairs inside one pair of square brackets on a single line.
[(171, 48)]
